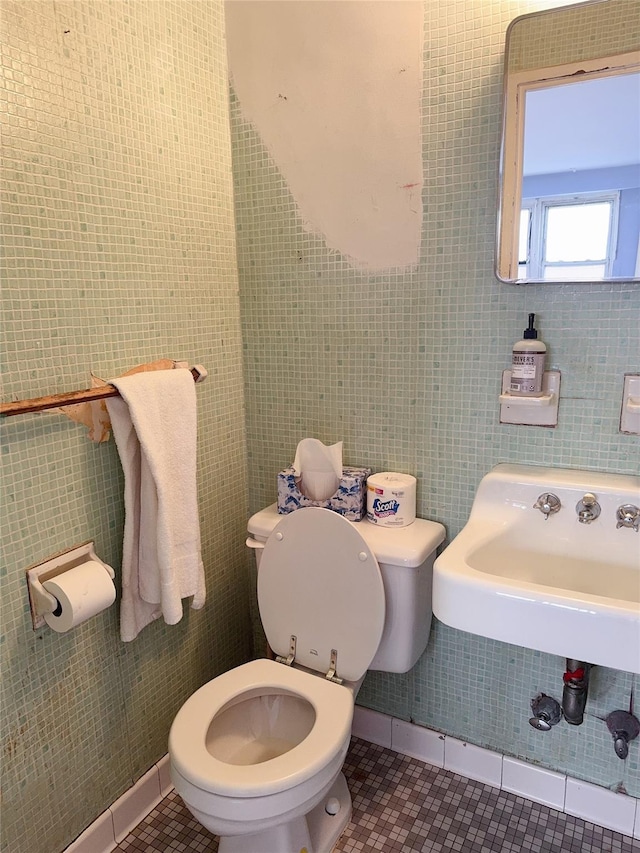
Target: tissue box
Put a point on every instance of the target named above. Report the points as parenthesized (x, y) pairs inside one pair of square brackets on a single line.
[(350, 499)]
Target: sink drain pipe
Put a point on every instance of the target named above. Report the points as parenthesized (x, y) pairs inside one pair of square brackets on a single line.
[(576, 687)]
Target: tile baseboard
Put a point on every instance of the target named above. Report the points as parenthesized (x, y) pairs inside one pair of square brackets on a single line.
[(534, 783), (472, 761), (418, 742), (372, 726), (136, 803), (593, 803), (166, 785), (97, 838), (114, 824), (598, 805)]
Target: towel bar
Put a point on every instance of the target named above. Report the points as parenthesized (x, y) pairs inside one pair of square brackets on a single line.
[(53, 401)]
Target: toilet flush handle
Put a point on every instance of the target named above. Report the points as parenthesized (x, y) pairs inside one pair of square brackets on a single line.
[(253, 543)]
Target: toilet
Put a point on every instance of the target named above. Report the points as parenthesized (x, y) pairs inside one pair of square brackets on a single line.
[(256, 754)]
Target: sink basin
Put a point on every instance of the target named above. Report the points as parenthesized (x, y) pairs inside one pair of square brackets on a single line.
[(547, 583)]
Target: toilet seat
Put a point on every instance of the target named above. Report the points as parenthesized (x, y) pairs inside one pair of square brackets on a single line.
[(333, 706), (320, 583)]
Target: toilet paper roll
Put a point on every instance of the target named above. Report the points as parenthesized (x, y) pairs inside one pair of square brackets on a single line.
[(81, 592), (391, 499)]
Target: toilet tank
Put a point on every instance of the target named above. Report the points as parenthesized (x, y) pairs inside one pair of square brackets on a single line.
[(405, 556)]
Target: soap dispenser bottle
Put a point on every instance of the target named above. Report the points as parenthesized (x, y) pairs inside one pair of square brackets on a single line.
[(527, 365)]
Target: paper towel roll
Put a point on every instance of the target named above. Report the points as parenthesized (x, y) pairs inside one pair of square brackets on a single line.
[(391, 499), (81, 593)]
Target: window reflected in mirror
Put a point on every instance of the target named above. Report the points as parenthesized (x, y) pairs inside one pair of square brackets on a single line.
[(570, 191), (580, 214)]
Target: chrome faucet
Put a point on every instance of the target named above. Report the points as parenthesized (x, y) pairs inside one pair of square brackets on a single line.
[(588, 509), (548, 504), (628, 515)]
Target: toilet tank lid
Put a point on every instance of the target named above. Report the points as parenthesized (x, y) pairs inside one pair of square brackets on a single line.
[(396, 546)]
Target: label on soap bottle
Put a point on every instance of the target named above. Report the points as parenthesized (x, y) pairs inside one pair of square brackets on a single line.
[(526, 373)]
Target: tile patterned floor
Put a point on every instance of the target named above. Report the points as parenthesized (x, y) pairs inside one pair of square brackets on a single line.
[(401, 805)]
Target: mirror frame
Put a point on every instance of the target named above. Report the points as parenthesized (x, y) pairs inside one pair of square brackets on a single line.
[(516, 84)]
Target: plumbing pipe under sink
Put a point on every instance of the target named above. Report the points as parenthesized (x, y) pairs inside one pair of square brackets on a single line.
[(576, 688)]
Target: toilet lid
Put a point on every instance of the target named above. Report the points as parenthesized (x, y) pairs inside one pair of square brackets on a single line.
[(319, 581)]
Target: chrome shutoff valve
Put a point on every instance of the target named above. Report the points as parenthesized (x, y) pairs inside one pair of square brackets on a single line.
[(546, 712), (623, 727)]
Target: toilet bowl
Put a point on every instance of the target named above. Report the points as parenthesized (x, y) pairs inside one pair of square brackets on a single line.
[(274, 738), (256, 753)]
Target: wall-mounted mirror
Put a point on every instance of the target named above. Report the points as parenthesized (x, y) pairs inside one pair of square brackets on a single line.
[(569, 205)]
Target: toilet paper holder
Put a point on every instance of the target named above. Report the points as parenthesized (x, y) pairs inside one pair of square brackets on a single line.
[(41, 601)]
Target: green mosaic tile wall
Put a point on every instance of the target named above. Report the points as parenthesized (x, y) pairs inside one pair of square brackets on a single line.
[(405, 367), (119, 246), (605, 29), (119, 249)]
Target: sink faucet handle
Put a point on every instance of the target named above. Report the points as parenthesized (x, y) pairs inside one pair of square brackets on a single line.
[(628, 515), (588, 508), (548, 504)]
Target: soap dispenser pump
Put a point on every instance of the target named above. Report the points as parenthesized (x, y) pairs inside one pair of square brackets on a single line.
[(527, 364)]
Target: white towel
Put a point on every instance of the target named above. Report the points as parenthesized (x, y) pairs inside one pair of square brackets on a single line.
[(154, 425)]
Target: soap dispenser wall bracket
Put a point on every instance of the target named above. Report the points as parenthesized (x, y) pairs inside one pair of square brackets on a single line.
[(41, 601), (535, 411)]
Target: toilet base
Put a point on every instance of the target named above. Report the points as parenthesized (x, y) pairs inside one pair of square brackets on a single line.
[(316, 832), (326, 829)]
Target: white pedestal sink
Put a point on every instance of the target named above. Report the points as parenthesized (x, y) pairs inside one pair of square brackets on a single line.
[(547, 582)]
